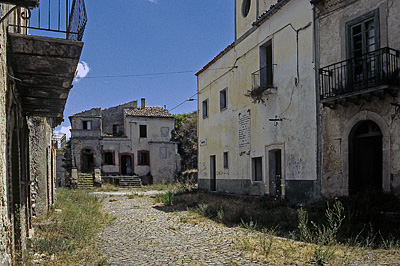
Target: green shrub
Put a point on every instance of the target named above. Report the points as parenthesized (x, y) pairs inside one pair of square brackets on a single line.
[(168, 198)]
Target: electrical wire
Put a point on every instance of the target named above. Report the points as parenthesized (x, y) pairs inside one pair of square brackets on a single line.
[(146, 74), (182, 102)]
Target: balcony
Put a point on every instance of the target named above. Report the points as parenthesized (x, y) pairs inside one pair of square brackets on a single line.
[(262, 84), (43, 63), (373, 73)]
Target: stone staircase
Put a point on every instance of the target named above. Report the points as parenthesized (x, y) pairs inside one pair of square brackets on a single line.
[(85, 180), (130, 181)]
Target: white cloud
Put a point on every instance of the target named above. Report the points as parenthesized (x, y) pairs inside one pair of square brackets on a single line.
[(82, 70), (64, 130), (152, 1)]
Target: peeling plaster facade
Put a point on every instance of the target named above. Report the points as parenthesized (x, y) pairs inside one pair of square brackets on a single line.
[(240, 149), (125, 140), (343, 147)]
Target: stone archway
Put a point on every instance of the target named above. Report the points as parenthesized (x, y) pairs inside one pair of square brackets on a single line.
[(358, 119), (365, 157)]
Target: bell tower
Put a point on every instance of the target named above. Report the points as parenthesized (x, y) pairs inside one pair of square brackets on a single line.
[(247, 12), (245, 15)]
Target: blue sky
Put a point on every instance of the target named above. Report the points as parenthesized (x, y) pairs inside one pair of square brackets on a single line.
[(129, 42)]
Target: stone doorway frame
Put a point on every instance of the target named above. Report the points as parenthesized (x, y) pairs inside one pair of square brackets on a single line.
[(384, 127)]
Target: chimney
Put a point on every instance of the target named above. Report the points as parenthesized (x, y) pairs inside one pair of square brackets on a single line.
[(143, 103)]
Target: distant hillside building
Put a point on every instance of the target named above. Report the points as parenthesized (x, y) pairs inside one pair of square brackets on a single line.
[(125, 140)]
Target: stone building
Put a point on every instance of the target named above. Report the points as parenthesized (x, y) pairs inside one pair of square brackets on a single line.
[(358, 79), (125, 140), (36, 73), (257, 105)]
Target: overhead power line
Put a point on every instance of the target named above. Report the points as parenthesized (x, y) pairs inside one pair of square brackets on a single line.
[(145, 74), (187, 100)]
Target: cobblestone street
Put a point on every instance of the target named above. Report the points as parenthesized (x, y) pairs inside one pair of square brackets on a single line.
[(143, 234)]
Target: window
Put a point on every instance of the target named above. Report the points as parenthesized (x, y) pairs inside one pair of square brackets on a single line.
[(362, 34), (266, 65), (226, 161), (246, 7), (87, 125), (205, 108), (117, 130), (164, 131), (257, 169), (143, 131), (108, 158), (143, 157), (222, 99), (362, 37)]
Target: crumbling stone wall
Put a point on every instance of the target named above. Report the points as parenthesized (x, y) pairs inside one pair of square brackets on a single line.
[(41, 160), (114, 116), (5, 225)]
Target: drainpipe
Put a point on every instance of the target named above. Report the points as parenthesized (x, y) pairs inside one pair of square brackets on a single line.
[(318, 182)]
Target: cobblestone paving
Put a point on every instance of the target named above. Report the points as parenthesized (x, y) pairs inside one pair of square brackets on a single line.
[(143, 234)]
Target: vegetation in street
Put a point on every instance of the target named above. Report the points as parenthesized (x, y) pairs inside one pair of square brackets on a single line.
[(279, 234), (66, 236)]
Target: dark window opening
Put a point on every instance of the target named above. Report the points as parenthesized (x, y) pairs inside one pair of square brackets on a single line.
[(143, 131), (117, 130), (246, 7), (87, 125), (266, 65), (226, 160), (257, 169), (205, 108), (222, 99), (108, 158), (143, 158)]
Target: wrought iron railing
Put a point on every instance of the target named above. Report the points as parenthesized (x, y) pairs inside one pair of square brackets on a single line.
[(57, 16), (379, 67), (262, 78)]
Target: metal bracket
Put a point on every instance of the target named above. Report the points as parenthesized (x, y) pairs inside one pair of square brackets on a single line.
[(23, 16), (276, 120)]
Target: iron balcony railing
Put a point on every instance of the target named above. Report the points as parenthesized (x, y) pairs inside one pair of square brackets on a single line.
[(352, 76), (56, 16), (262, 78)]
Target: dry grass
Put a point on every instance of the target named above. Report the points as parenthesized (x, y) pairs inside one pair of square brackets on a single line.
[(67, 236), (289, 252), (280, 219)]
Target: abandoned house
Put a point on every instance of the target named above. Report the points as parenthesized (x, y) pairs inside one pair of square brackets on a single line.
[(36, 73), (358, 79), (125, 140), (305, 101), (259, 96)]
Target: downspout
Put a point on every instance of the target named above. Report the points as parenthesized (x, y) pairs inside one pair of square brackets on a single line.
[(318, 182)]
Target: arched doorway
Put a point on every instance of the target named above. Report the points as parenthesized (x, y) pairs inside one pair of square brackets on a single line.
[(87, 161), (365, 157)]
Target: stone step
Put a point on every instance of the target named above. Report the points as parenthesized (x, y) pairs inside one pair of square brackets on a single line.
[(130, 182)]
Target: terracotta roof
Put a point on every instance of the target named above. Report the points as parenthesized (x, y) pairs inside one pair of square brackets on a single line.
[(149, 111), (272, 10)]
